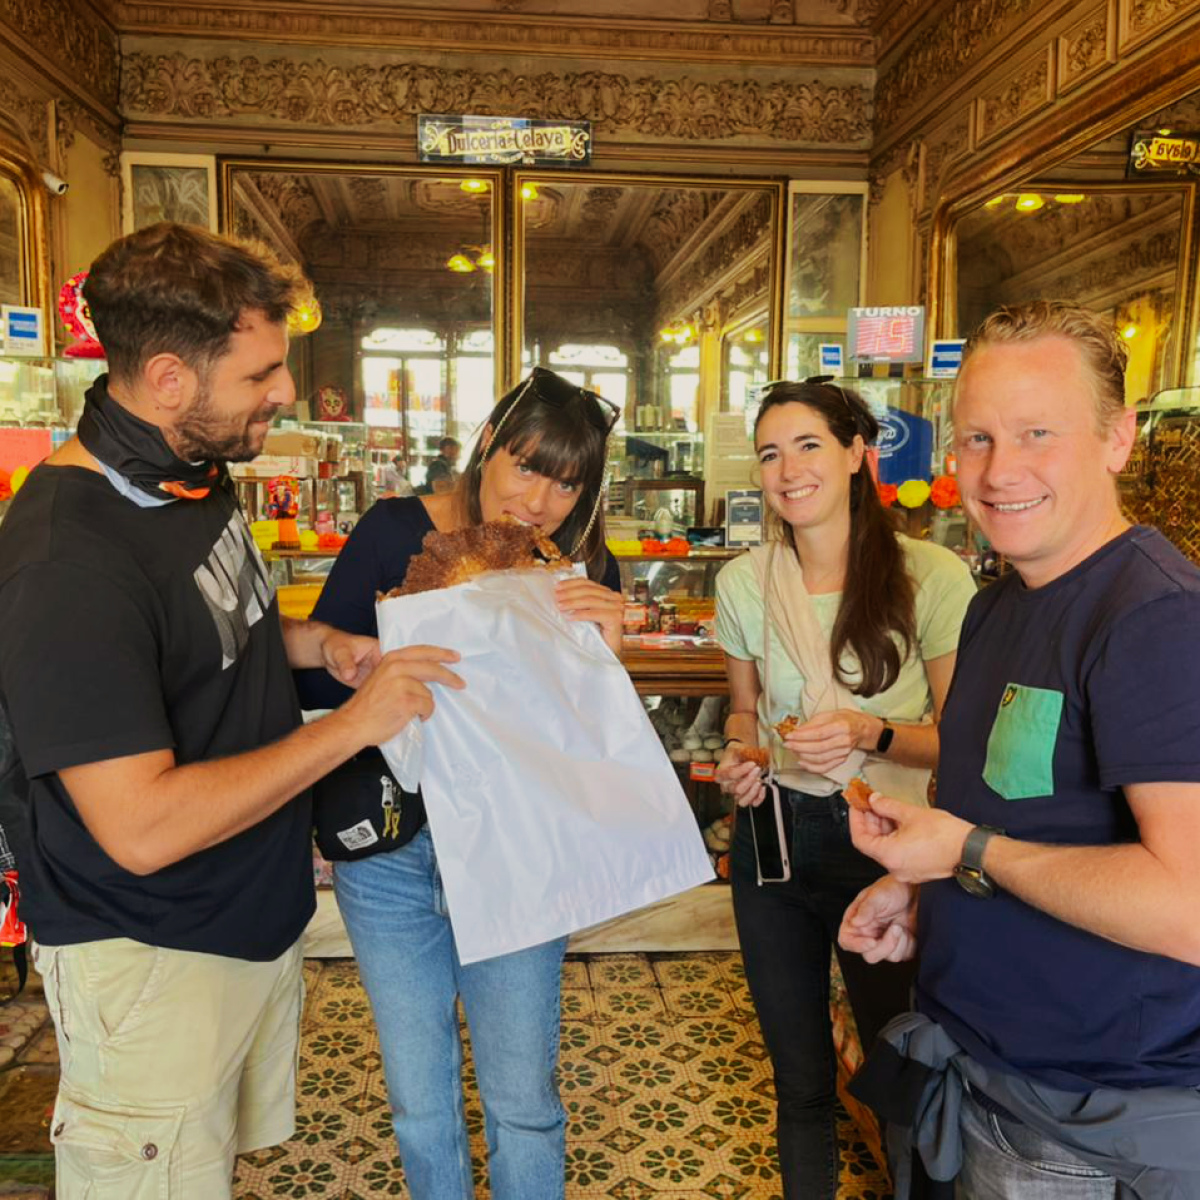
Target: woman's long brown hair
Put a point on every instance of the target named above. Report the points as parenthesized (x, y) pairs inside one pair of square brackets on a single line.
[(876, 619), (555, 441)]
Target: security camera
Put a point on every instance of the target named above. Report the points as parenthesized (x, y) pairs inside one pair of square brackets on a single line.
[(54, 185)]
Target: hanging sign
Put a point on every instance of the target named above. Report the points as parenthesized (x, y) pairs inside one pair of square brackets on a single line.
[(1150, 151), (484, 141), (886, 334)]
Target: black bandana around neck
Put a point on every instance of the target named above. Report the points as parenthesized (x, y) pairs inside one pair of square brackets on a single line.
[(137, 450)]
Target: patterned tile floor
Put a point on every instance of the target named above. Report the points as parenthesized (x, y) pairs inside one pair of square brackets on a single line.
[(663, 1072)]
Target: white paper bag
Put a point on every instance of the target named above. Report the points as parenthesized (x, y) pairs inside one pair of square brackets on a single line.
[(551, 802)]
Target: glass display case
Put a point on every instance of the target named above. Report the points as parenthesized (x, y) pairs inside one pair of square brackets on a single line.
[(45, 393), (1161, 482), (40, 403), (666, 506)]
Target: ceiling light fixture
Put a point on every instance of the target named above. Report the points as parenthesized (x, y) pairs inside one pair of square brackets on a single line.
[(1029, 202), (460, 263), (1070, 198), (474, 187)]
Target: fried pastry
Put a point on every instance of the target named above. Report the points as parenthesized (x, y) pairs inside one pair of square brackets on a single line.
[(447, 559), (759, 755), (788, 725), (858, 794)]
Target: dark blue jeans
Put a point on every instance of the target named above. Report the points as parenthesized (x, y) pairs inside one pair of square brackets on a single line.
[(787, 931)]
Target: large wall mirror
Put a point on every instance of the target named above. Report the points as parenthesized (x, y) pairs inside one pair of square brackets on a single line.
[(403, 263), (24, 271), (1094, 232), (826, 266), (657, 291), (1116, 248)]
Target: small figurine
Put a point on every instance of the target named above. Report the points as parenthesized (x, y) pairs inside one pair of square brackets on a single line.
[(283, 505), (331, 403), (73, 309)]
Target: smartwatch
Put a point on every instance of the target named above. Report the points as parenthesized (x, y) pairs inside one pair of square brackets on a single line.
[(885, 738), (971, 876)]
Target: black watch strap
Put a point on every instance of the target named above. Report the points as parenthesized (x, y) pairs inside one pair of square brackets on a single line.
[(885, 738), (970, 873)]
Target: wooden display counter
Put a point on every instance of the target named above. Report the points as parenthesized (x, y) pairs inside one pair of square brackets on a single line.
[(675, 670)]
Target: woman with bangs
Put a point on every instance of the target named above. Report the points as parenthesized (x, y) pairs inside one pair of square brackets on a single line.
[(540, 459), (851, 628)]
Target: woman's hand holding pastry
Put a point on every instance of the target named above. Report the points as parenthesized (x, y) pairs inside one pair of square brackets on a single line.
[(740, 778), (586, 600), (828, 739)]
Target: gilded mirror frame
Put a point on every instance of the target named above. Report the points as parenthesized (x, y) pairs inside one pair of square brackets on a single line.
[(33, 236)]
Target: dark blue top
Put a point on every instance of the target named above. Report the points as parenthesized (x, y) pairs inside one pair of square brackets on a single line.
[(375, 559), (1063, 695)]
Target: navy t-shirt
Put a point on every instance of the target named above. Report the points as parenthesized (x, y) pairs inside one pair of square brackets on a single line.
[(1062, 695), (375, 559)]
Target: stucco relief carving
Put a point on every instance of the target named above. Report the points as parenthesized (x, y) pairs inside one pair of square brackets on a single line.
[(72, 36), (319, 93), (70, 116), (29, 116), (599, 206), (942, 147), (1135, 261), (718, 256), (944, 51), (1145, 14), (1084, 48), (291, 197), (369, 192), (675, 219), (615, 39), (1021, 94)]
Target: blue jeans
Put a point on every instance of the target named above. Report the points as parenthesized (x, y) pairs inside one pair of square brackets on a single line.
[(1004, 1159), (395, 913), (787, 931)]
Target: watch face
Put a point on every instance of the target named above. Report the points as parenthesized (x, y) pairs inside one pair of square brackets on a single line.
[(974, 882)]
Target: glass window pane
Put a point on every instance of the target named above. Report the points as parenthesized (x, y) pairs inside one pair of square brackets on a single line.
[(823, 275), (473, 398)]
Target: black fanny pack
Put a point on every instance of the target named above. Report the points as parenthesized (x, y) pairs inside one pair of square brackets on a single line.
[(359, 809)]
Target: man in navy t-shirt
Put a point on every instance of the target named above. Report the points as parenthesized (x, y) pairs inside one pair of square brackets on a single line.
[(1058, 923)]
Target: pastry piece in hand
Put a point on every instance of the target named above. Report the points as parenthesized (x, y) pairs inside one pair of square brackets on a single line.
[(447, 559), (858, 794), (759, 755), (788, 725)]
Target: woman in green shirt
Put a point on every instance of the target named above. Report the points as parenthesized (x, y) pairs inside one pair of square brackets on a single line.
[(849, 628)]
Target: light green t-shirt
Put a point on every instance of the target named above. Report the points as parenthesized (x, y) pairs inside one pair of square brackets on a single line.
[(944, 588)]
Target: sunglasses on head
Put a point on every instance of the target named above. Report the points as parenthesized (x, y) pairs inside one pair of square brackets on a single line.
[(558, 392)]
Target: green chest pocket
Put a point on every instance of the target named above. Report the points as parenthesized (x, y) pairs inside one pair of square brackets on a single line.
[(1020, 749)]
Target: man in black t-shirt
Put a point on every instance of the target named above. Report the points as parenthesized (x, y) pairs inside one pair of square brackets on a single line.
[(1059, 948), (146, 674)]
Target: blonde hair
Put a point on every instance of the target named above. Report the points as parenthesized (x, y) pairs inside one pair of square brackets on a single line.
[(1102, 351)]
